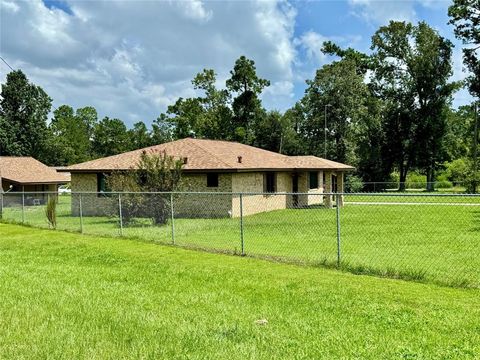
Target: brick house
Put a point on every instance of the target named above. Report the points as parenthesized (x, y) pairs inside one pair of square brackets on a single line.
[(26, 174), (222, 166)]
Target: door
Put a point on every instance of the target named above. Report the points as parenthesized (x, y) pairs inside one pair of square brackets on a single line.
[(295, 190), (334, 187)]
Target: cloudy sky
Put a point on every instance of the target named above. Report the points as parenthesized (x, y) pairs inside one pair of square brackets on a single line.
[(131, 59)]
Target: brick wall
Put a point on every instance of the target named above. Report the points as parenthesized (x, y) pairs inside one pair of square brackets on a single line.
[(304, 187), (253, 182), (92, 204), (201, 205), (193, 205)]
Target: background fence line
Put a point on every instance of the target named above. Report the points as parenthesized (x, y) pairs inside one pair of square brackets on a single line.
[(374, 233)]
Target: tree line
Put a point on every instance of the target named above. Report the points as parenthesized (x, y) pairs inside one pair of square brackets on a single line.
[(388, 113)]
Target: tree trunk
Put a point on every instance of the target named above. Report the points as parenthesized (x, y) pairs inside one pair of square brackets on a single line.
[(430, 179), (403, 177)]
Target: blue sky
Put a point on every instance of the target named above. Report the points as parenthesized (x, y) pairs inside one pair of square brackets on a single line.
[(131, 59)]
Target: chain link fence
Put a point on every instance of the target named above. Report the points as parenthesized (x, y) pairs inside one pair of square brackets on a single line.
[(425, 237), (458, 187)]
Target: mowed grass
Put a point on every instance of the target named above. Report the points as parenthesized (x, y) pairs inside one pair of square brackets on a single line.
[(415, 198), (438, 243), (67, 296)]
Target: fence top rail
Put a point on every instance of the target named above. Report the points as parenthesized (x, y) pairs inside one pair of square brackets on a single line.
[(412, 182), (213, 193)]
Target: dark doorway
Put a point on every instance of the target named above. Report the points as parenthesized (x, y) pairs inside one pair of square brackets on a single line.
[(334, 183), (295, 190), (334, 186)]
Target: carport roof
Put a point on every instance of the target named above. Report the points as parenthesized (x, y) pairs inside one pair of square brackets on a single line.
[(27, 170)]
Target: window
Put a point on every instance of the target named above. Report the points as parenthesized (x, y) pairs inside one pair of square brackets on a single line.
[(102, 184), (313, 179), (212, 180), (269, 182)]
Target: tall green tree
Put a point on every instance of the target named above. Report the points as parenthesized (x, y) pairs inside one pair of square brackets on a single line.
[(246, 106), (71, 135), (363, 61), (139, 136), (460, 127), (412, 71), (275, 132), (337, 94), (370, 140), (110, 137), (24, 109), (184, 116), (216, 119), (368, 137), (162, 130), (465, 16), (88, 116)]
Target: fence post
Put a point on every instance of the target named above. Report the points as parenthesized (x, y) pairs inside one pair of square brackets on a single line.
[(120, 213), (172, 218), (338, 231), (242, 241), (1, 203), (80, 213), (23, 207)]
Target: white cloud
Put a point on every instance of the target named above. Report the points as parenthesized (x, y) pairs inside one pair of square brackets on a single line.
[(131, 59), (312, 43), (381, 12), (9, 6), (194, 9)]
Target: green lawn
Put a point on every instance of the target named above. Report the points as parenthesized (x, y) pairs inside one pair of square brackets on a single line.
[(438, 243), (67, 296), (429, 198)]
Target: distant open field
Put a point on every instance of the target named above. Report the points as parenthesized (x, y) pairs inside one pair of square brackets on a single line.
[(437, 243), (67, 296)]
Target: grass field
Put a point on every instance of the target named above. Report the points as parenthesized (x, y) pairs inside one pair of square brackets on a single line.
[(436, 243), (412, 198), (67, 296)]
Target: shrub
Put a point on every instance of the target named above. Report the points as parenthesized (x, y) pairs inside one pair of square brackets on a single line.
[(353, 183), (443, 184), (153, 173), (457, 170), (51, 212), (415, 180)]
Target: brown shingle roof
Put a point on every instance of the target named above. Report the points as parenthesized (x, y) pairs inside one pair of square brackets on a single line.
[(27, 170), (218, 155)]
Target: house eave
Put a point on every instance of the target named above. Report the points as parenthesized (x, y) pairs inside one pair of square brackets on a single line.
[(35, 182), (226, 170)]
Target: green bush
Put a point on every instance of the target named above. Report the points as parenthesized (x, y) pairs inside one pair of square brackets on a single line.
[(153, 173), (394, 177), (443, 184), (457, 170), (415, 180), (353, 183)]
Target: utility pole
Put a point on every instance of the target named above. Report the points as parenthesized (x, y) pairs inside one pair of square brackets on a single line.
[(475, 145)]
